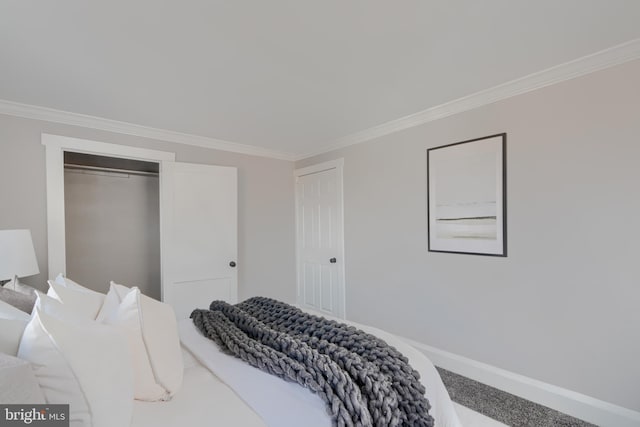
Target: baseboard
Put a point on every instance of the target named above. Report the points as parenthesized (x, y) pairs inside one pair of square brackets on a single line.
[(569, 402)]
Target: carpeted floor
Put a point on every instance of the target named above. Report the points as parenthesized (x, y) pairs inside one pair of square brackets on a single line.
[(502, 406)]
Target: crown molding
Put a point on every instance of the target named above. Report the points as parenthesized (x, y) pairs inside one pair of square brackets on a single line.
[(65, 117), (610, 57), (606, 58)]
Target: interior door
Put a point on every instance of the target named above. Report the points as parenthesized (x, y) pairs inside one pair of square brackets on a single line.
[(198, 220), (320, 246)]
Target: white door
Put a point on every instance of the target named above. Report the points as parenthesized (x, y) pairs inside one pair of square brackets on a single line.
[(198, 220), (320, 238)]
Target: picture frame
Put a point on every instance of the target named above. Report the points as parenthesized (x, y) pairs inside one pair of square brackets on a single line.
[(466, 197)]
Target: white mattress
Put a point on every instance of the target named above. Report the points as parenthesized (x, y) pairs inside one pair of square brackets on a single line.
[(284, 404)]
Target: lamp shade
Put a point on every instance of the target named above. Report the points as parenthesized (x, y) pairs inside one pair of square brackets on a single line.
[(17, 256)]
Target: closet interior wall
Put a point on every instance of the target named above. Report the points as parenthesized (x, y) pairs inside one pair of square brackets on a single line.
[(112, 226)]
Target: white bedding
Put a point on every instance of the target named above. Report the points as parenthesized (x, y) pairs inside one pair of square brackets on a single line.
[(203, 400), (284, 404)]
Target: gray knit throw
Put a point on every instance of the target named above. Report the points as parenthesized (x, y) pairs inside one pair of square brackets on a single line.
[(363, 380)]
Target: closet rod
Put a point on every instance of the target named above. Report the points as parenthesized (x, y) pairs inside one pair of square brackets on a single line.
[(107, 170)]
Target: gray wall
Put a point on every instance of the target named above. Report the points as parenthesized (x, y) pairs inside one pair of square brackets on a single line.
[(564, 307), (103, 210), (266, 244)]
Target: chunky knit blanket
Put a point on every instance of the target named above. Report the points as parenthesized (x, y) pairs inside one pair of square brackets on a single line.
[(363, 381)]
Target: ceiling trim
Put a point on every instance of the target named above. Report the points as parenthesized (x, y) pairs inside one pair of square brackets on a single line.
[(58, 116), (610, 57), (606, 58)]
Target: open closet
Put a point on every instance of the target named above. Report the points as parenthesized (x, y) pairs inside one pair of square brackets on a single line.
[(136, 216), (112, 222)]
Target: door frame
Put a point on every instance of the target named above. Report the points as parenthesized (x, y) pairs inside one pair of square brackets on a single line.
[(55, 147), (338, 165)]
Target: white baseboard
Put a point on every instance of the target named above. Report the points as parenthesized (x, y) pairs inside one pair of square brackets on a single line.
[(569, 402)]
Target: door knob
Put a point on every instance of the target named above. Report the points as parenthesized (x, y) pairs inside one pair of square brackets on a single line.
[(332, 260), (232, 264)]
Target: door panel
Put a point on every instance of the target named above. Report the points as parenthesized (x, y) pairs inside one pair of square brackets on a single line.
[(199, 294), (326, 288), (199, 235), (309, 284), (319, 209)]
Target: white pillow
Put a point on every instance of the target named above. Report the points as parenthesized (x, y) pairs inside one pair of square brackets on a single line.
[(68, 283), (12, 328), (83, 303), (7, 311), (12, 324), (111, 302), (55, 308), (10, 334), (158, 367), (82, 363)]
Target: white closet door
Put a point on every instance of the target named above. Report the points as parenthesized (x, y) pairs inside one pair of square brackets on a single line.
[(199, 224)]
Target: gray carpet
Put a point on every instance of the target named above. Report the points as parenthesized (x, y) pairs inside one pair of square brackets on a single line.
[(502, 406)]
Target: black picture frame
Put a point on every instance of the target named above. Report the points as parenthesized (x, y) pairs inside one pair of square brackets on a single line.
[(467, 197)]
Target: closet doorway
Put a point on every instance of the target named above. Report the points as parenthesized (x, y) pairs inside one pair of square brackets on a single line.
[(112, 222), (198, 222)]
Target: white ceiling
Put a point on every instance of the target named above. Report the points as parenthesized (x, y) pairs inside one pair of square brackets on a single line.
[(291, 76)]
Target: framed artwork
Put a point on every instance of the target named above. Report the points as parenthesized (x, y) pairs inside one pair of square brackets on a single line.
[(466, 197)]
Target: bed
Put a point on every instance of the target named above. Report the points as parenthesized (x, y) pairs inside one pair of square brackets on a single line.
[(157, 372), (238, 394)]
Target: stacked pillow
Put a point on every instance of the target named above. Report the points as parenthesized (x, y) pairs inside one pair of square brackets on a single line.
[(153, 336), (80, 362), (83, 301), (96, 352), (12, 324)]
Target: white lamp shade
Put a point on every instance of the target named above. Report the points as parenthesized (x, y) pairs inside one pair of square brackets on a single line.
[(17, 256)]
